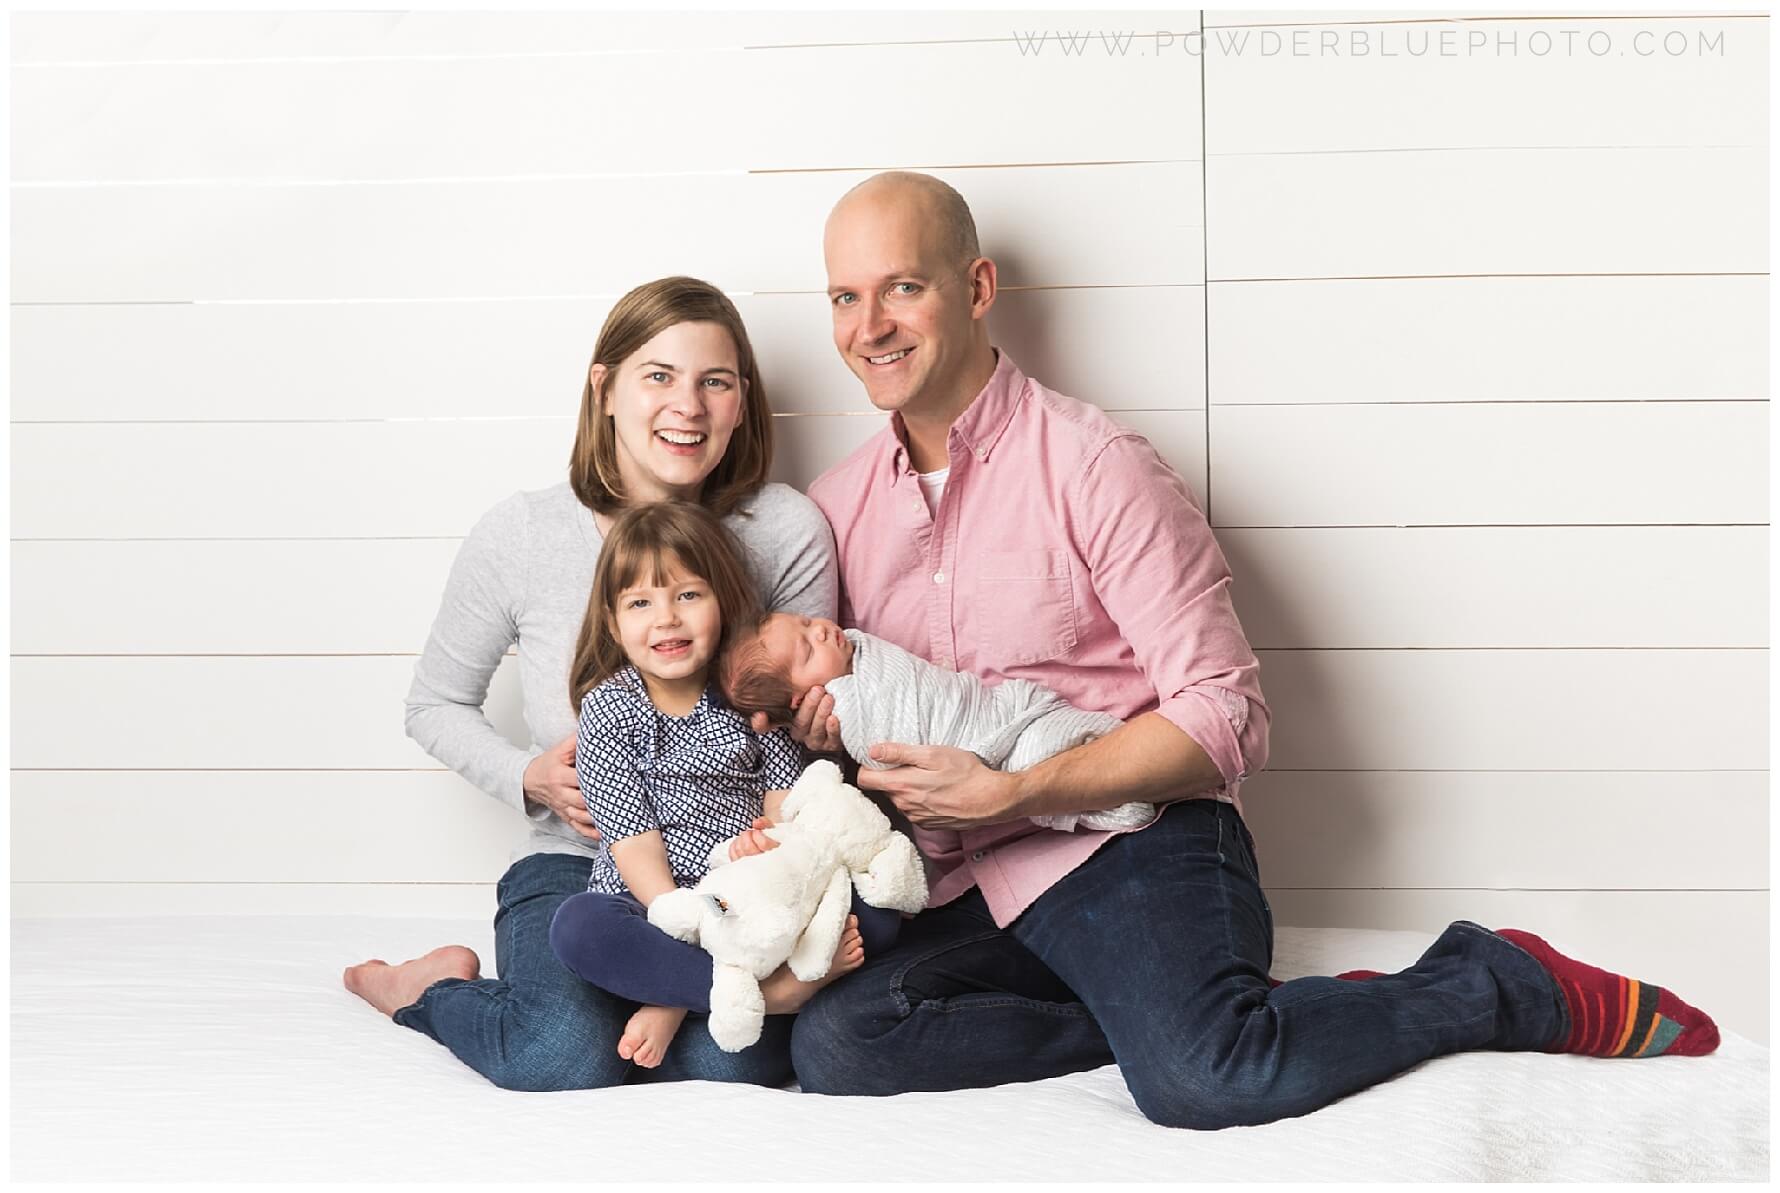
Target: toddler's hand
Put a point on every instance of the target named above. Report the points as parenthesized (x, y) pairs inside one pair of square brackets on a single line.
[(752, 841)]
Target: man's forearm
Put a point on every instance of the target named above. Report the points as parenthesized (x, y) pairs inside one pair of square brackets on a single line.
[(1147, 759)]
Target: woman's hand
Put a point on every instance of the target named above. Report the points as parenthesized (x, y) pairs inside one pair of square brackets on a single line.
[(550, 780), (816, 728), (752, 841)]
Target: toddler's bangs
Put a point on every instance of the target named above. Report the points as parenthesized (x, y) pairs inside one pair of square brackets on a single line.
[(648, 566)]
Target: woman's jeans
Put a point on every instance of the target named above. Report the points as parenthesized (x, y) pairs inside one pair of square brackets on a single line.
[(609, 941), (539, 1027), (1154, 954)]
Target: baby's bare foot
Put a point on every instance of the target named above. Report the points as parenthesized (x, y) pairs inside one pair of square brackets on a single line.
[(389, 988), (785, 993), (647, 1036)]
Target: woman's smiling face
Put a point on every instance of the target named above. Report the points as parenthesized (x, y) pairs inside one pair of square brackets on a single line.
[(674, 404)]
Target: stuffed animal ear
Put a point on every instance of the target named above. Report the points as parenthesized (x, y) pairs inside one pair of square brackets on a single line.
[(895, 877), (679, 913), (819, 776), (738, 1010)]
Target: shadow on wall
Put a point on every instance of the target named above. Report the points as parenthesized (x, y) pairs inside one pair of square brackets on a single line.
[(1349, 843), (1022, 328)]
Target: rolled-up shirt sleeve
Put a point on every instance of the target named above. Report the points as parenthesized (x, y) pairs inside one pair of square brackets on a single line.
[(1159, 573)]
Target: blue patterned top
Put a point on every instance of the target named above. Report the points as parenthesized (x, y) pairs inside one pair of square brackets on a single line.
[(699, 778)]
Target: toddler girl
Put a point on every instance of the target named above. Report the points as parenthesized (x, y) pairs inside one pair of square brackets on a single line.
[(670, 775), (883, 693)]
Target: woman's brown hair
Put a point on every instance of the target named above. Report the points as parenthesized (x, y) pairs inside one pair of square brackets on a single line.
[(637, 318), (644, 544)]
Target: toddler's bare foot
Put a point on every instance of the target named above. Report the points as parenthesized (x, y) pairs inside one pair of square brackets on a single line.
[(785, 994), (647, 1036), (389, 988)]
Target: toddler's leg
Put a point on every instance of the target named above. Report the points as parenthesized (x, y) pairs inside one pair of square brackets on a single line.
[(607, 940), (878, 926)]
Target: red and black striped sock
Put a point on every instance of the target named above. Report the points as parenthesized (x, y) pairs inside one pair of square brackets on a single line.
[(1613, 1015)]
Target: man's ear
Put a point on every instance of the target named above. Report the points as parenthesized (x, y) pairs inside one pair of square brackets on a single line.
[(982, 286)]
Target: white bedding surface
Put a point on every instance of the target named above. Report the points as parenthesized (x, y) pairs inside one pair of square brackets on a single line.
[(224, 1048)]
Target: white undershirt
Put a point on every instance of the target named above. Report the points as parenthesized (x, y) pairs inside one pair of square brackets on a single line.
[(932, 485)]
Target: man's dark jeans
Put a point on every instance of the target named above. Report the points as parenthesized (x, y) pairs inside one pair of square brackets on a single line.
[(1155, 954), (539, 1027)]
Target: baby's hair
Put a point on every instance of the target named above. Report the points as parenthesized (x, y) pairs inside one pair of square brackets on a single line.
[(644, 545), (749, 680)]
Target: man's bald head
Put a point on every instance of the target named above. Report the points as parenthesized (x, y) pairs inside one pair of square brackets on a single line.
[(944, 210)]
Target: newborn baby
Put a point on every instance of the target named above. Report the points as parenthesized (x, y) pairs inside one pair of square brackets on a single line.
[(883, 693)]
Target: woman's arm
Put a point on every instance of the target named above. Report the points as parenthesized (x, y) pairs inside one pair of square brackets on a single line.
[(643, 864), (476, 624)]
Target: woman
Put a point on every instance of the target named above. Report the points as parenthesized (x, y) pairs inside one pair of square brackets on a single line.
[(673, 408)]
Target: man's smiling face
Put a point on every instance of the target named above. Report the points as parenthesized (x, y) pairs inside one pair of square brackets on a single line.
[(901, 305)]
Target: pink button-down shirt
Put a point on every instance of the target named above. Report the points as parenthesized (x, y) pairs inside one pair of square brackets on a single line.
[(1063, 551)]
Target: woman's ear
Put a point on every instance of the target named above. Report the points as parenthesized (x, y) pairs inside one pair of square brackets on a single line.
[(596, 376)]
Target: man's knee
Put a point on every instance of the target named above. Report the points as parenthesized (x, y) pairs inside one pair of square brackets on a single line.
[(1198, 1097), (835, 1050)]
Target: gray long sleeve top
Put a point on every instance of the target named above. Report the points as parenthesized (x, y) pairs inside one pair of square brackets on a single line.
[(521, 579)]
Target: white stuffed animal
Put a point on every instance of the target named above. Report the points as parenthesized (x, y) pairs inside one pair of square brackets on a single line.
[(790, 904)]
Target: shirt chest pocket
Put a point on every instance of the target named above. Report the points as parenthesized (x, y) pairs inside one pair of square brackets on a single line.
[(1025, 607)]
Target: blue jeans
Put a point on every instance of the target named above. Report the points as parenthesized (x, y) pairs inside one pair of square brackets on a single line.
[(539, 1027), (608, 940), (1154, 954)]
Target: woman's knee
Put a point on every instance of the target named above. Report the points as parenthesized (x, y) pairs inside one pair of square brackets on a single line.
[(550, 1044)]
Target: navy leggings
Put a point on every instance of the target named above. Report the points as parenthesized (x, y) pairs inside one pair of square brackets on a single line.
[(608, 941)]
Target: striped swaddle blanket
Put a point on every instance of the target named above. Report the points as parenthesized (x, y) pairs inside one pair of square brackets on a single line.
[(893, 695)]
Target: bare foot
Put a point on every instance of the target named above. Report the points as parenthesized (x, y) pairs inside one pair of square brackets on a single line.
[(785, 994), (389, 988), (647, 1036)]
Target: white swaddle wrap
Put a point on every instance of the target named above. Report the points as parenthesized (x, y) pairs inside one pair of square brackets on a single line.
[(893, 695)]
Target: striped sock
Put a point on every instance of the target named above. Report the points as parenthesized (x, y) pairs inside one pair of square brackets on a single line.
[(1613, 1015)]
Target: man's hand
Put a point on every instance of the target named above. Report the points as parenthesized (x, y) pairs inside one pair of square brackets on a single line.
[(816, 728), (753, 840), (550, 780), (941, 787)]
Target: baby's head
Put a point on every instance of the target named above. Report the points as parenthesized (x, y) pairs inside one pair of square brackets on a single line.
[(770, 667)]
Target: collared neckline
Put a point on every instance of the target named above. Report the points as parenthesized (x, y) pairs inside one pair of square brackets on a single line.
[(975, 432)]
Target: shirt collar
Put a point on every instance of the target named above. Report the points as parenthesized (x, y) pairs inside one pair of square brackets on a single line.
[(975, 432)]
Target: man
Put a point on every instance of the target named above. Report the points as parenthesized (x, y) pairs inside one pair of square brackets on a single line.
[(1003, 529)]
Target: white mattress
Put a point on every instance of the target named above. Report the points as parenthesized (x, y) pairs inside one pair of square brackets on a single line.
[(226, 1049)]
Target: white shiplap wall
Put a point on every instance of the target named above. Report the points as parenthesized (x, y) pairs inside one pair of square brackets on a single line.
[(297, 297)]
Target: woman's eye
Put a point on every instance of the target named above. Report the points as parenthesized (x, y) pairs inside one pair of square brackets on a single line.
[(654, 375), (718, 382)]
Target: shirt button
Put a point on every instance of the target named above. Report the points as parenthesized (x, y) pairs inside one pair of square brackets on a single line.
[(977, 856), (981, 452), (939, 577)]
